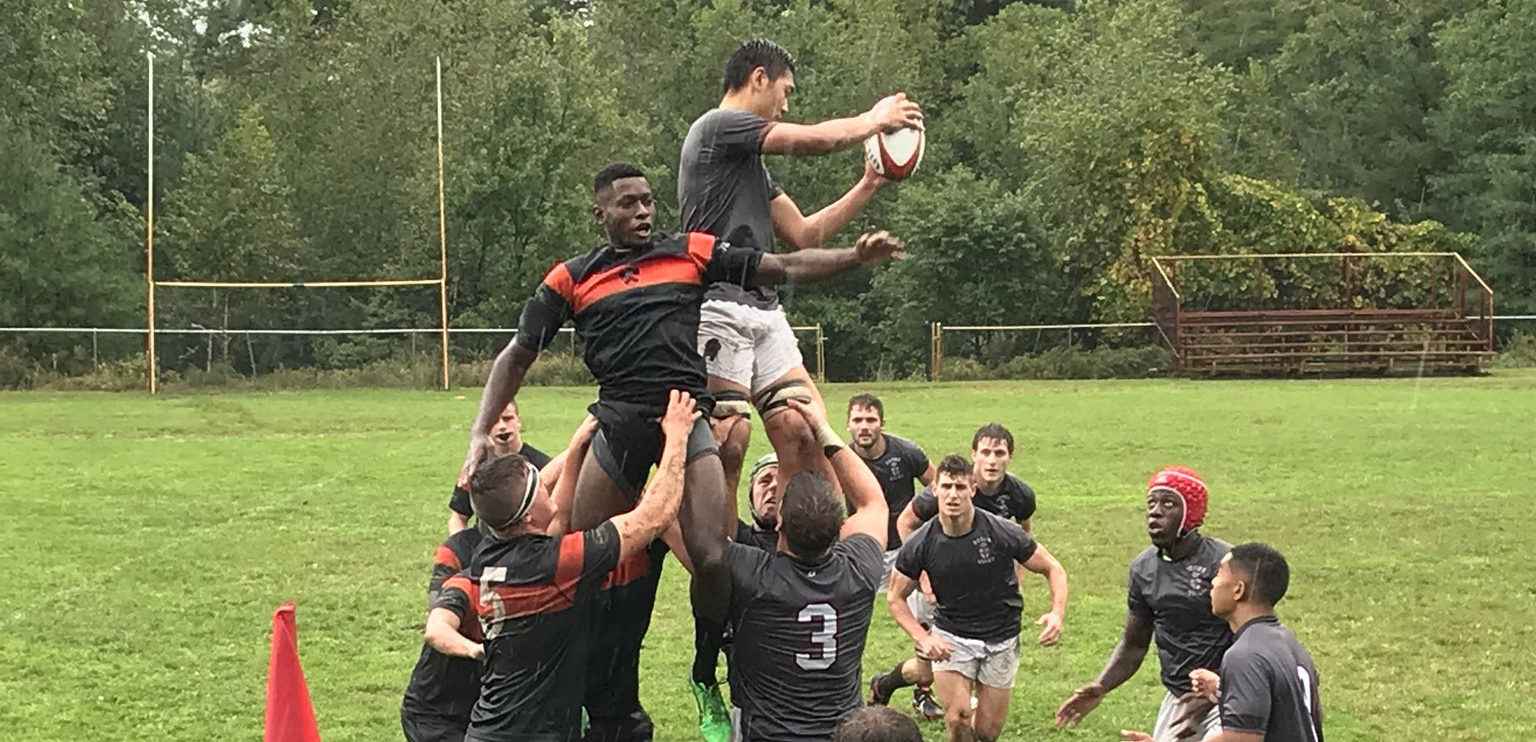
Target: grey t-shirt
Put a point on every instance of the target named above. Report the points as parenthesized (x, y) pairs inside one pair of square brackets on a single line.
[(723, 188), (800, 628), (1176, 598), (1269, 685)]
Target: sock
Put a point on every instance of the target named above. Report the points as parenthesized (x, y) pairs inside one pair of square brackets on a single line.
[(892, 681), (707, 640)]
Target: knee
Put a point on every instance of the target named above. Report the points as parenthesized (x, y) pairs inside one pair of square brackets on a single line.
[(958, 717)]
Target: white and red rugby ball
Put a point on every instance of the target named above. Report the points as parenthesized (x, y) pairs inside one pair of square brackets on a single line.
[(895, 155)]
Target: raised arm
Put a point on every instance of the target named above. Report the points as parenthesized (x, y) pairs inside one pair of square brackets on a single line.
[(801, 232), (542, 317), (570, 459), (858, 484), (809, 265), (1124, 661), (658, 506), (889, 114)]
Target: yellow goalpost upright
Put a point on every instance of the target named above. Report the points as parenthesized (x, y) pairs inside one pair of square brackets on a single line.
[(441, 281)]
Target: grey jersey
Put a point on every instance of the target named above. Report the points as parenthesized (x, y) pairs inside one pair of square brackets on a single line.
[(724, 189), (800, 629), (1176, 598), (1269, 685)]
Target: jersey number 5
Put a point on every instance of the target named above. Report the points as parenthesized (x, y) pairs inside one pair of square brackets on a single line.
[(824, 637), (488, 597)]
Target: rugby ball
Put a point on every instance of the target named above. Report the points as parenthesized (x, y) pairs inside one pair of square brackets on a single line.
[(895, 155)]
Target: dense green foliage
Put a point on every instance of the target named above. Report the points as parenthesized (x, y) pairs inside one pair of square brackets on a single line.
[(295, 139)]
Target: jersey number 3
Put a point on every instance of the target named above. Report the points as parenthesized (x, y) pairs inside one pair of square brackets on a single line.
[(823, 637)]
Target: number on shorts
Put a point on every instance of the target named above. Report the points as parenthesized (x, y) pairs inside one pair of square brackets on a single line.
[(825, 637), (489, 597)]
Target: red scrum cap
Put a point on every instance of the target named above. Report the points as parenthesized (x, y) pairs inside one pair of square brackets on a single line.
[(1191, 490)]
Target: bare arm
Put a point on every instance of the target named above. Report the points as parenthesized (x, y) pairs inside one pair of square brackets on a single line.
[(442, 634), (1042, 563), (926, 478), (501, 386), (802, 232), (456, 522), (889, 114), (931, 647), (870, 513), (658, 506), (569, 460), (908, 521), (1127, 656)]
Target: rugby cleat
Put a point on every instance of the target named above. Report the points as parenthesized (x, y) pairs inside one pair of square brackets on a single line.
[(714, 720), (925, 705)]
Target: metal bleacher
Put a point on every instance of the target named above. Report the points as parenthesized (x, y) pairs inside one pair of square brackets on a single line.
[(1355, 313)]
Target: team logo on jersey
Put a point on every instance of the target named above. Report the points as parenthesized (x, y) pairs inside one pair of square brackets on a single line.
[(895, 464), (983, 549), (630, 275)]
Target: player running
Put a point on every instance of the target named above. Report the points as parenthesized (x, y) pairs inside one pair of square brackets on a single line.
[(538, 594), (446, 680), (801, 613), (506, 437), (1268, 685), (969, 556), (635, 302), (997, 492), (724, 189), (1169, 597)]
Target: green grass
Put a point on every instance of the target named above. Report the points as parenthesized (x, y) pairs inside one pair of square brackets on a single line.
[(146, 541)]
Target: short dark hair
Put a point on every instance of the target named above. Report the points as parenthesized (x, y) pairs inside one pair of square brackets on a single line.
[(1266, 569), (992, 430), (774, 60), (810, 514), (866, 400), (954, 465), (878, 724), (612, 172), (496, 489)]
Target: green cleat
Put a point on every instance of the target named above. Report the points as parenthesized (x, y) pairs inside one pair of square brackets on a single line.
[(714, 720)]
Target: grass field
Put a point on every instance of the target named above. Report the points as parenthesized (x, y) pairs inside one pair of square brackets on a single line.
[(146, 541)]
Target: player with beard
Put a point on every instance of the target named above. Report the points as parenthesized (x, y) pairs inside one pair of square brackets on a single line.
[(763, 531), (1169, 599)]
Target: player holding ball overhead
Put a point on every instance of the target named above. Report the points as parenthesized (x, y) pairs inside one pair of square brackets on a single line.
[(750, 353)]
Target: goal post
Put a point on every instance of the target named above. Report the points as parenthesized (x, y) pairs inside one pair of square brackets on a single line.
[(440, 280)]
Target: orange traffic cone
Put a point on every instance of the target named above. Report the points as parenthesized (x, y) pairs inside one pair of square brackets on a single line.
[(290, 717)]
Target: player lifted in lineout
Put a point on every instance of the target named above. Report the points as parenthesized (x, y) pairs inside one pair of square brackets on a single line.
[(635, 302), (724, 189)]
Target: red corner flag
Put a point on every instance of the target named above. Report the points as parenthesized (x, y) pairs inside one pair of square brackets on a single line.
[(290, 717)]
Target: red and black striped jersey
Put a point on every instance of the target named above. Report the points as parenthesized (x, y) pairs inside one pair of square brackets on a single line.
[(636, 311), (538, 605), (441, 685)]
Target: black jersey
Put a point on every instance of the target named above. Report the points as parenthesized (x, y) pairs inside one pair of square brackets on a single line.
[(1175, 597), (636, 312), (800, 628), (538, 605), (751, 535), (896, 469), (724, 188), (459, 502), (441, 685), (972, 575), (1013, 499)]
